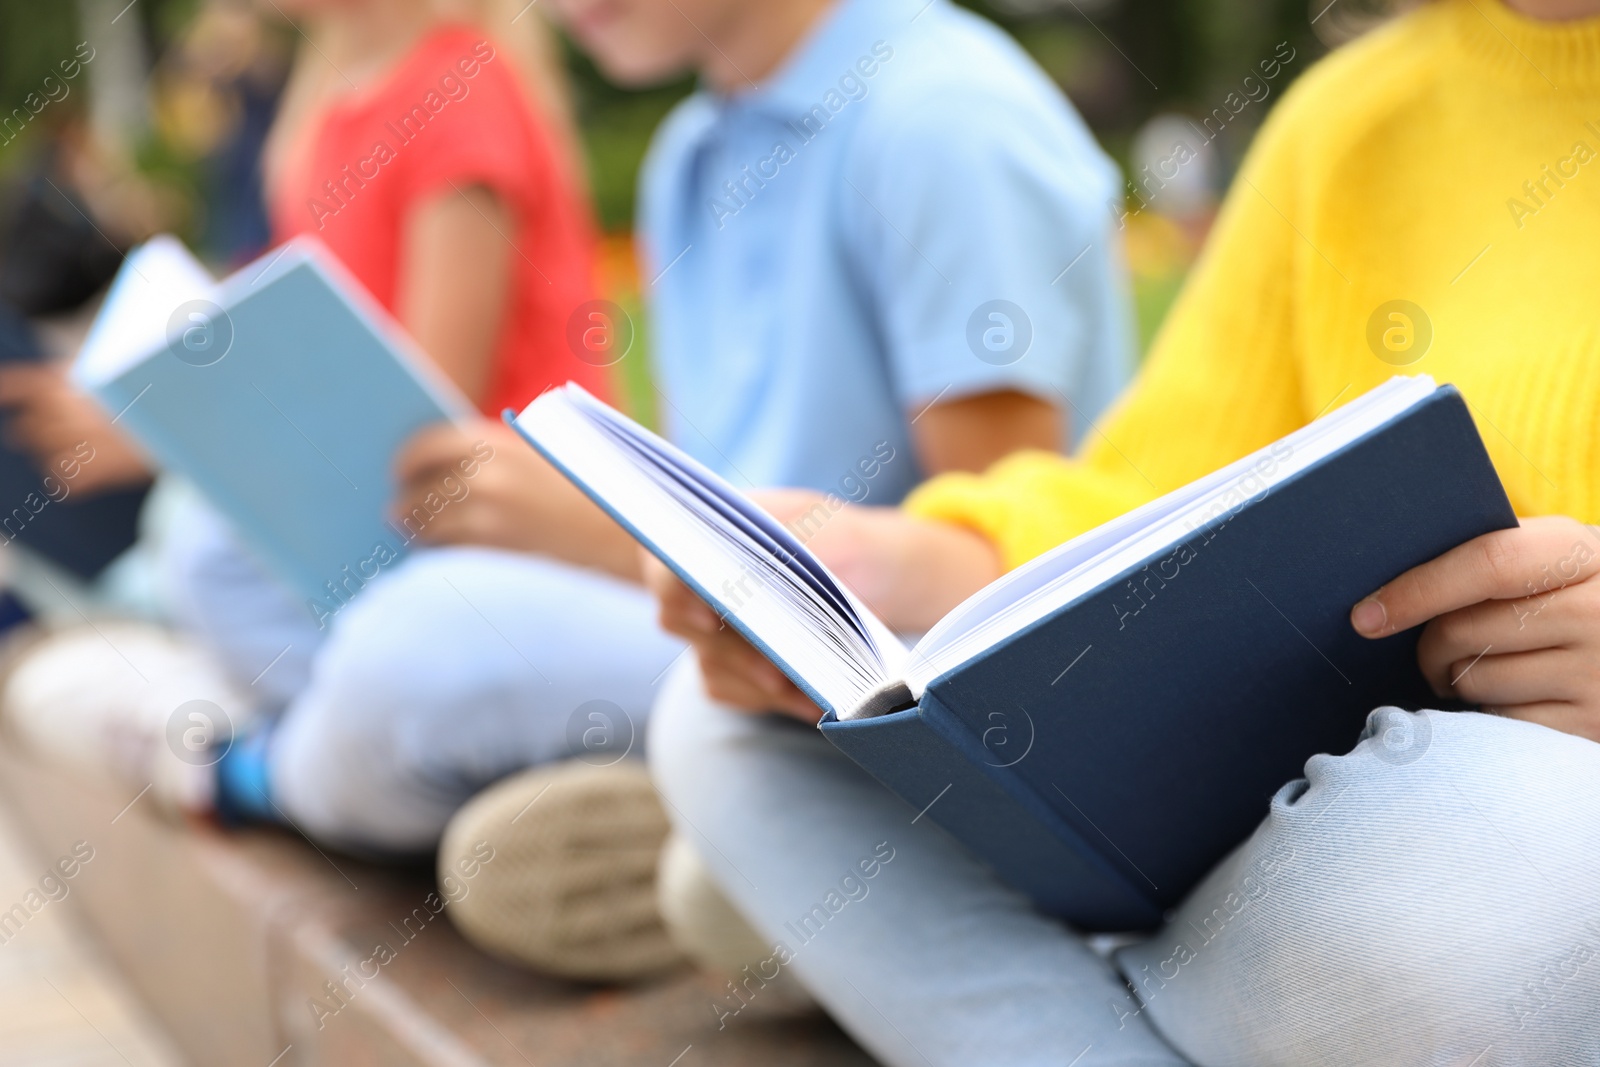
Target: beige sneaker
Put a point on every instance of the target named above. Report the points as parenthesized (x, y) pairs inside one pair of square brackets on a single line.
[(703, 923), (699, 919), (570, 887)]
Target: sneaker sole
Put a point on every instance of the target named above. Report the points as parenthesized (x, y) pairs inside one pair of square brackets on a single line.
[(570, 887)]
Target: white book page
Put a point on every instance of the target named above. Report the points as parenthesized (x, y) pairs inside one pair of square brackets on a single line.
[(748, 566), (155, 281)]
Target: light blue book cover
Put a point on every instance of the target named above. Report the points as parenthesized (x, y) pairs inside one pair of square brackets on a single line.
[(282, 392)]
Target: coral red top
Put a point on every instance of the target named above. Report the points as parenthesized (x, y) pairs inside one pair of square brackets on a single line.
[(452, 113)]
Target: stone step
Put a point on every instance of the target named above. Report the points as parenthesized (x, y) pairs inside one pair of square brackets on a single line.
[(231, 939)]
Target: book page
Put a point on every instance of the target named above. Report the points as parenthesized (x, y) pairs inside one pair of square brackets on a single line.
[(1083, 564), (744, 563), (149, 302)]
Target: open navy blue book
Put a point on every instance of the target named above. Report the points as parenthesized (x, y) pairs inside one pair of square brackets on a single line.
[(1104, 724), (282, 392)]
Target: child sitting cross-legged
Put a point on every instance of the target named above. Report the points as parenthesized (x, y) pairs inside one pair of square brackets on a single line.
[(857, 190), (1441, 910)]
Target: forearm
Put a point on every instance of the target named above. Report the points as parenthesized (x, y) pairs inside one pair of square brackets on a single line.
[(909, 571), (455, 284), (939, 567), (583, 535), (973, 432), (503, 494), (1027, 504)]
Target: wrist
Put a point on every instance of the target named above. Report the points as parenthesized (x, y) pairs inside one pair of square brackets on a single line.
[(575, 530), (939, 566)]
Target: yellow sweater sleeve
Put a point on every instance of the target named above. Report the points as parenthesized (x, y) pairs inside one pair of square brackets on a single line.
[(1221, 380)]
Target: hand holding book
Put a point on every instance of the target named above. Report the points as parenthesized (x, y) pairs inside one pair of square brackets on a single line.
[(476, 483), (59, 425), (1479, 644), (1513, 622), (910, 571)]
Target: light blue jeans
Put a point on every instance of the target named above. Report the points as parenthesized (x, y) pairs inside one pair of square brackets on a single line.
[(453, 669), (1431, 898)]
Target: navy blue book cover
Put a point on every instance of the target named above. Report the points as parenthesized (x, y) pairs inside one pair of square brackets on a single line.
[(1106, 757)]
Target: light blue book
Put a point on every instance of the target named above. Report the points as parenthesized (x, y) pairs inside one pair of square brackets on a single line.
[(282, 392)]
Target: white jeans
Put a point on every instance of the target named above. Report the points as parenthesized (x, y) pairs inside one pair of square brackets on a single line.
[(457, 667), (1429, 905)]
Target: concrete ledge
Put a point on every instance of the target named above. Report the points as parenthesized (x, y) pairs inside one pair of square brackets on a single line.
[(231, 939)]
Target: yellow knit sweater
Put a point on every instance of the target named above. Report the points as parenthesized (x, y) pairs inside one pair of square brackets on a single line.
[(1450, 159)]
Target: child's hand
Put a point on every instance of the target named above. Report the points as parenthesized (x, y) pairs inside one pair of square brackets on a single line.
[(907, 570), (734, 672), (64, 430), (466, 485), (481, 484), (1515, 622)]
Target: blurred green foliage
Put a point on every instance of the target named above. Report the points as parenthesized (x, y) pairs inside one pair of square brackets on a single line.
[(1120, 62), (34, 37), (616, 126)]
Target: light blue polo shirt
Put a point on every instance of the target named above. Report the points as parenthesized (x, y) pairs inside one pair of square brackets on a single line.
[(908, 211)]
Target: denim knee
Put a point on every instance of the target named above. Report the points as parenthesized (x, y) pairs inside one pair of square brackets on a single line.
[(373, 751), (1430, 897), (703, 754), (685, 724)]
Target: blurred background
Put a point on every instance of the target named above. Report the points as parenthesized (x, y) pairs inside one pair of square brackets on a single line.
[(162, 130)]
